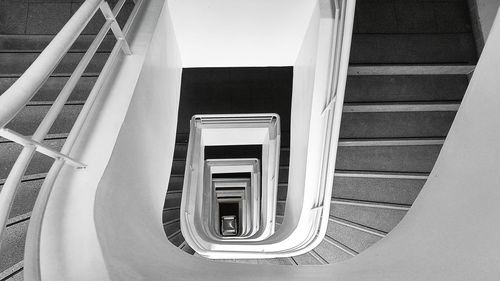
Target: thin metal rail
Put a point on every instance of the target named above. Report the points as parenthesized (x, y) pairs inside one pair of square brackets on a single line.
[(22, 91)]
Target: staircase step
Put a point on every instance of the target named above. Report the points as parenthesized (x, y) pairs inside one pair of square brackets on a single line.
[(12, 247), (442, 48), (28, 119), (13, 273), (410, 69), (396, 124), (350, 224), (371, 204), (170, 214), (39, 164), (405, 88), (306, 259), (386, 190), (172, 229), (15, 64), (354, 239), (411, 16), (173, 200), (331, 253), (26, 194), (400, 107), (390, 158), (36, 43), (53, 86), (381, 219), (176, 239)]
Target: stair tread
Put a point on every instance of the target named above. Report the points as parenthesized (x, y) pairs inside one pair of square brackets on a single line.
[(15, 64), (405, 88), (38, 42), (53, 86), (409, 69), (413, 48), (376, 218), (12, 249)]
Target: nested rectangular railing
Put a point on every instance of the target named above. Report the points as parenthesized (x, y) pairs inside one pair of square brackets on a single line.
[(24, 89)]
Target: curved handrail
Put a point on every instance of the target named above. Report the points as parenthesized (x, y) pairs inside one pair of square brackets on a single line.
[(308, 233), (14, 99), (21, 92)]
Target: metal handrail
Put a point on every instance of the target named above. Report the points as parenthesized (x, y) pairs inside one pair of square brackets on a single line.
[(14, 99)]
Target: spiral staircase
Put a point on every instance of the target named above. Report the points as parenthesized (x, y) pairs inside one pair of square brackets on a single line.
[(409, 69)]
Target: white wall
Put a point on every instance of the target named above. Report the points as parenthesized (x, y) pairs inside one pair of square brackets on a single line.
[(131, 193), (218, 33), (70, 249)]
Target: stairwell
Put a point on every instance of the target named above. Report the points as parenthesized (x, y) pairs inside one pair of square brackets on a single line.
[(409, 69)]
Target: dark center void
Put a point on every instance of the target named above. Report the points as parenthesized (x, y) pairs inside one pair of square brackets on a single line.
[(230, 90)]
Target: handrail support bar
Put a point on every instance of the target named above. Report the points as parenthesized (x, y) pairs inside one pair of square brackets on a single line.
[(25, 141), (117, 31)]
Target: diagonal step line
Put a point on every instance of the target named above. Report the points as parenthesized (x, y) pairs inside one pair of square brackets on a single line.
[(381, 175), (370, 204), (391, 142), (410, 69), (28, 178), (171, 208), (357, 226), (177, 232), (12, 270), (47, 138), (171, 222), (340, 246), (18, 219), (318, 257), (400, 107), (293, 261)]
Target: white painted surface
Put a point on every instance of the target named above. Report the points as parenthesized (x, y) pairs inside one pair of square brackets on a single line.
[(70, 249), (217, 33), (450, 233), (487, 10)]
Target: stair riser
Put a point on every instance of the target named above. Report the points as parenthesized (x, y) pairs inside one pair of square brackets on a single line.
[(36, 43), (12, 249), (397, 191), (377, 218), (15, 64), (352, 238), (396, 124), (413, 49), (388, 158), (405, 88), (25, 197), (45, 17), (39, 164), (412, 16), (51, 89), (28, 119), (331, 253)]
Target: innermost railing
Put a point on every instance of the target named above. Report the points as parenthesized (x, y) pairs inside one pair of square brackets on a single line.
[(24, 89)]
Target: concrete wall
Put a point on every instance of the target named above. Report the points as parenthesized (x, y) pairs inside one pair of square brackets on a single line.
[(221, 33)]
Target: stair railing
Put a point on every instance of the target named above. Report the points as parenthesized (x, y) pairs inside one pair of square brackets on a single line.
[(14, 99)]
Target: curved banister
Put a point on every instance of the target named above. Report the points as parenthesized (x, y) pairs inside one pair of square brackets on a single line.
[(21, 92), (14, 99)]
